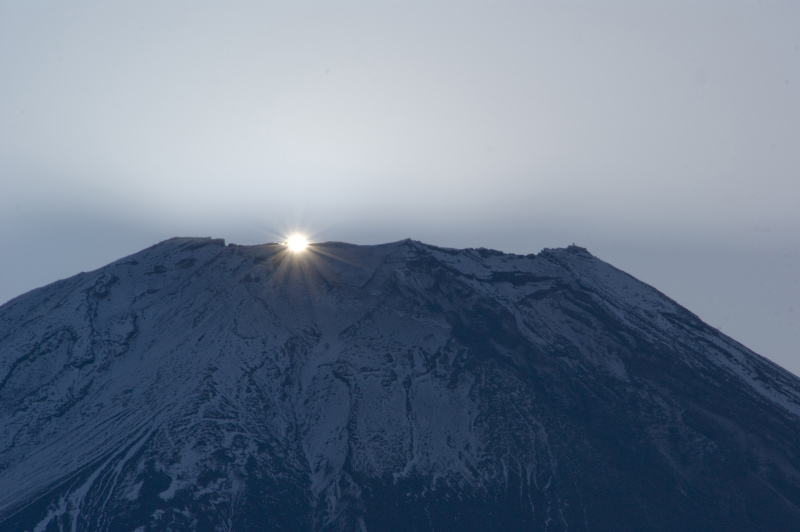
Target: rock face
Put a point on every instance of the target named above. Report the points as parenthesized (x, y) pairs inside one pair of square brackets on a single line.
[(198, 386)]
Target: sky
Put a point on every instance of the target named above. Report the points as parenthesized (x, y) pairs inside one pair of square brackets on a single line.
[(660, 134)]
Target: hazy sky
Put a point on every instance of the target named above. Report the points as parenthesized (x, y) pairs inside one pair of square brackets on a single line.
[(662, 135)]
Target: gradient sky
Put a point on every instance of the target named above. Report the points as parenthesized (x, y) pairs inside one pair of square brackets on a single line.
[(664, 136)]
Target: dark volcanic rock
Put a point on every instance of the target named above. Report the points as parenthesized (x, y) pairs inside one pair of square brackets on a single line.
[(198, 386)]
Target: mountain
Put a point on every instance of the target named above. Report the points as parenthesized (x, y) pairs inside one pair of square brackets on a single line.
[(199, 386)]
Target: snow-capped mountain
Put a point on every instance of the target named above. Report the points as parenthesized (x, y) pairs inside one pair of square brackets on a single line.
[(199, 386)]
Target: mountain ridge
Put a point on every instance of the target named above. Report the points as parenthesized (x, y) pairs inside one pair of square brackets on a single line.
[(396, 386)]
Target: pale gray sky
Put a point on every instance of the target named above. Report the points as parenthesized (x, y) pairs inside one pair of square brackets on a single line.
[(662, 135)]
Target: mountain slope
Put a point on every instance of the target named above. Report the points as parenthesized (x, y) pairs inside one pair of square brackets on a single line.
[(195, 385)]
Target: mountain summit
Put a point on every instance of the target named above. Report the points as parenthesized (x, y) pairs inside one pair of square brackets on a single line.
[(199, 386)]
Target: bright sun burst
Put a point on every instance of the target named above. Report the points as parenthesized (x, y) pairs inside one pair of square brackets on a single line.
[(296, 243)]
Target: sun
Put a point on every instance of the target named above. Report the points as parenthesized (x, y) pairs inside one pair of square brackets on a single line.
[(296, 243)]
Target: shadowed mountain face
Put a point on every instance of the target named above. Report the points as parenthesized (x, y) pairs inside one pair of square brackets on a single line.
[(200, 386)]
